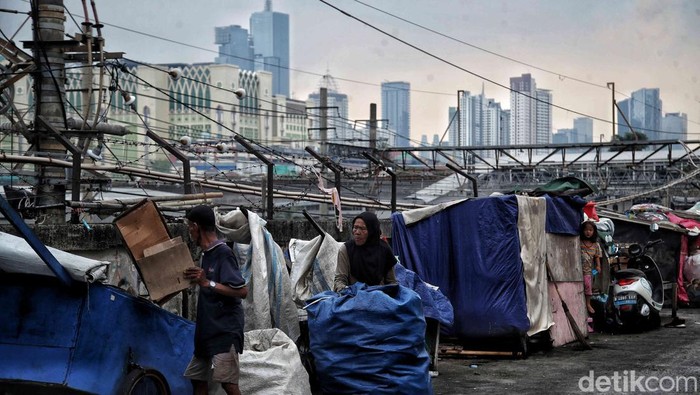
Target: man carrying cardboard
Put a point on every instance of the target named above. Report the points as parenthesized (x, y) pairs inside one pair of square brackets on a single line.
[(218, 337)]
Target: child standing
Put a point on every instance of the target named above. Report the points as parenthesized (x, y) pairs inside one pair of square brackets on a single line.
[(590, 256)]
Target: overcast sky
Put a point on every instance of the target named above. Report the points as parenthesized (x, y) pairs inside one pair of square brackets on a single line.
[(636, 44)]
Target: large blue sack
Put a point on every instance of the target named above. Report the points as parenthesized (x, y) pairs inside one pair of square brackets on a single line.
[(369, 340)]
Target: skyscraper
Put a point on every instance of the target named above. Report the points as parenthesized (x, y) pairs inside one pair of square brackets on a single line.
[(270, 32), (452, 125), (396, 110), (675, 126), (530, 112), (543, 116), (643, 112), (583, 129), (235, 46), (337, 114), (480, 121)]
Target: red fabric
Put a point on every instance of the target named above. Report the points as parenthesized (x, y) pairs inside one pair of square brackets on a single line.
[(589, 210), (682, 294), (684, 222)]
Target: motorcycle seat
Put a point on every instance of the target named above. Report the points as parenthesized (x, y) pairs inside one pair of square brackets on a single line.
[(628, 273)]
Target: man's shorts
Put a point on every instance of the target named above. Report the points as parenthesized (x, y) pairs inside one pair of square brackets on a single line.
[(221, 368)]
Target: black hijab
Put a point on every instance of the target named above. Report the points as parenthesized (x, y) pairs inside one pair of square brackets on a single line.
[(371, 261)]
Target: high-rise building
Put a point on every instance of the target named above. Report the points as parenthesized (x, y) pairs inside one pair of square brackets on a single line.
[(452, 125), (235, 46), (643, 111), (543, 133), (674, 126), (339, 130), (270, 32), (465, 120), (505, 128), (480, 122), (564, 136), (396, 111), (583, 130), (530, 112)]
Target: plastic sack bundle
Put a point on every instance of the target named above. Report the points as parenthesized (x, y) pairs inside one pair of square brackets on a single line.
[(369, 340), (270, 364)]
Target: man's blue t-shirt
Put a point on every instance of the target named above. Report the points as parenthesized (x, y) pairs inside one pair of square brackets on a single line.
[(220, 318)]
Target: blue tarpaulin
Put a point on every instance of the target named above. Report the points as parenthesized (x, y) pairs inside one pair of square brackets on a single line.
[(435, 304), (471, 251), (369, 340), (564, 214), (86, 338)]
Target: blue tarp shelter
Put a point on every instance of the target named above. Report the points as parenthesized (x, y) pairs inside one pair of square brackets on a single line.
[(472, 251)]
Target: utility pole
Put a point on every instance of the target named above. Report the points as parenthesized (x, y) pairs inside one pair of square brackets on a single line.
[(49, 87), (612, 85), (324, 120), (323, 130), (373, 126)]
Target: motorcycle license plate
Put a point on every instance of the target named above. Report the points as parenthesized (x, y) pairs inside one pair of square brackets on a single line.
[(625, 299)]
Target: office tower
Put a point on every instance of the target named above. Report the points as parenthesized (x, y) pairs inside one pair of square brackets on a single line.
[(504, 131), (530, 112), (564, 136), (270, 32), (235, 46), (583, 129), (674, 126), (643, 111), (523, 110), (543, 133), (436, 140), (479, 122), (464, 120), (339, 130), (491, 128), (452, 125), (396, 111)]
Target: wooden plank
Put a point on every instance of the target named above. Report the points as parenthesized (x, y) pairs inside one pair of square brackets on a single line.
[(572, 293), (478, 353), (564, 257)]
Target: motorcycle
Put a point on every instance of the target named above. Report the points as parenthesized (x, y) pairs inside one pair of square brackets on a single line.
[(637, 293)]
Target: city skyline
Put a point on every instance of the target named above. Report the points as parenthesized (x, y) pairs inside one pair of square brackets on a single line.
[(634, 44)]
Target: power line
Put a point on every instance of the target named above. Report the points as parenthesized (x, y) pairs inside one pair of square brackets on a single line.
[(443, 60)]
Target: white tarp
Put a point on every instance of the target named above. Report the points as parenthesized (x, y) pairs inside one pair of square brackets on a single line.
[(313, 266), (269, 303), (17, 256), (533, 252)]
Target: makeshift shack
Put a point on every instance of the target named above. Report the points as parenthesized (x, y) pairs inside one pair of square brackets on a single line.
[(488, 256)]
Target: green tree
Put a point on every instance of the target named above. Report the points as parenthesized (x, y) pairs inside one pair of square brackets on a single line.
[(629, 136)]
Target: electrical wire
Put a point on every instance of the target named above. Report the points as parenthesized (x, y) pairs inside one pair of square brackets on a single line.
[(443, 60)]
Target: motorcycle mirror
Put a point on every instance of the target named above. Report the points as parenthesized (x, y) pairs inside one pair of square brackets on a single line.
[(654, 226)]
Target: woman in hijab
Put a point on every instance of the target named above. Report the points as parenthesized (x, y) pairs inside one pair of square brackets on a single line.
[(366, 258)]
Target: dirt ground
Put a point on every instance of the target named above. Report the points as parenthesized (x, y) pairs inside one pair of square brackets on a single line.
[(666, 357)]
